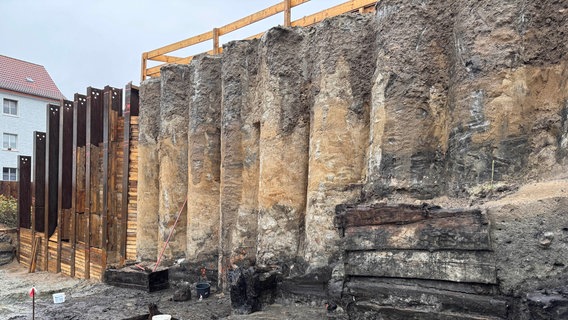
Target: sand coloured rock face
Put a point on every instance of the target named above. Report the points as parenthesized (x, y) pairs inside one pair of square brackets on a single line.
[(430, 101)]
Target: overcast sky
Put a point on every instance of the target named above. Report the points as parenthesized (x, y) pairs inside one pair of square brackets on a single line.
[(95, 43)]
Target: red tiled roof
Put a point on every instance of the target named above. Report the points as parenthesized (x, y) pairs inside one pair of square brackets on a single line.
[(26, 77)]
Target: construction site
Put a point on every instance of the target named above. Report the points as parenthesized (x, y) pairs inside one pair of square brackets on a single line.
[(376, 160)]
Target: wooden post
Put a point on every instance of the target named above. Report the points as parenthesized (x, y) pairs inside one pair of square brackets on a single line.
[(215, 40), (51, 174), (287, 13), (143, 67)]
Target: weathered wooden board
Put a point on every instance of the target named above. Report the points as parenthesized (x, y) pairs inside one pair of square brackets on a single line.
[(410, 295), (132, 186), (137, 279), (379, 214), (96, 263), (25, 243), (386, 312), (459, 266), (465, 231), (80, 261)]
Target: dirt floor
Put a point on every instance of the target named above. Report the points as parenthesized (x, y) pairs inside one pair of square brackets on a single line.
[(90, 300)]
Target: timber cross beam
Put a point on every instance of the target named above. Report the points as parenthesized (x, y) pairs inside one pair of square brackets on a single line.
[(285, 6)]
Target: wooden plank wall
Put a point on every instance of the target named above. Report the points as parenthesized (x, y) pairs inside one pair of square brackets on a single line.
[(85, 169), (131, 113)]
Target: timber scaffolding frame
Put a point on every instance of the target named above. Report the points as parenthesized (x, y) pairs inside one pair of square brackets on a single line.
[(285, 6), (81, 208)]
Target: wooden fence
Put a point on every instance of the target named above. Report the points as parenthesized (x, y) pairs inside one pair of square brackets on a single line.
[(285, 6), (79, 216)]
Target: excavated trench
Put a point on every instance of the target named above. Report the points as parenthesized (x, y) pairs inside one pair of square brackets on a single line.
[(306, 157), (404, 165)]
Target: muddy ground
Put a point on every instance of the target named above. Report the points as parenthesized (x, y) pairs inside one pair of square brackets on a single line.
[(90, 300)]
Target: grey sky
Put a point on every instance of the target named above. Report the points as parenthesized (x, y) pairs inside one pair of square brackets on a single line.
[(95, 43)]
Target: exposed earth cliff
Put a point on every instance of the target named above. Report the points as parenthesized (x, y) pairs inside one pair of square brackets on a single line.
[(293, 149)]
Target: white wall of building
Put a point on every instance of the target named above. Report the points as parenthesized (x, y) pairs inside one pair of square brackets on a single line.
[(31, 117)]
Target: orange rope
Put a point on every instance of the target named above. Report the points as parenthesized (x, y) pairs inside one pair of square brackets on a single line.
[(169, 236)]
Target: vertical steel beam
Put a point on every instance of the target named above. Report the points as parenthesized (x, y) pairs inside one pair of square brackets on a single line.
[(51, 174), (24, 191), (79, 126), (39, 184), (24, 196), (112, 108), (65, 160)]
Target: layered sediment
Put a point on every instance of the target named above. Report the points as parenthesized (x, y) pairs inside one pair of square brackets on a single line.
[(439, 102), (148, 200)]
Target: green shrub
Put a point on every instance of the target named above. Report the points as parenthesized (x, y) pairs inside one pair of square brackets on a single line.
[(8, 211)]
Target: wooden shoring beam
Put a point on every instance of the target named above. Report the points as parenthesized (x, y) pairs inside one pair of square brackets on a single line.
[(215, 41), (165, 58), (131, 101), (94, 130), (260, 15), (51, 174), (143, 66), (349, 6), (65, 160), (285, 6), (180, 44), (287, 12), (155, 71), (79, 130)]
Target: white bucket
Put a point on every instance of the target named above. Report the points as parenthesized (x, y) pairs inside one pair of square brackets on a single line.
[(59, 297), (162, 317)]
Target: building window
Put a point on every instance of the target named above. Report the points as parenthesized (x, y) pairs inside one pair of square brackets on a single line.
[(9, 174), (10, 141), (10, 107)]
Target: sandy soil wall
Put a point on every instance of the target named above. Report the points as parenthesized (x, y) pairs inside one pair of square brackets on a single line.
[(423, 101)]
